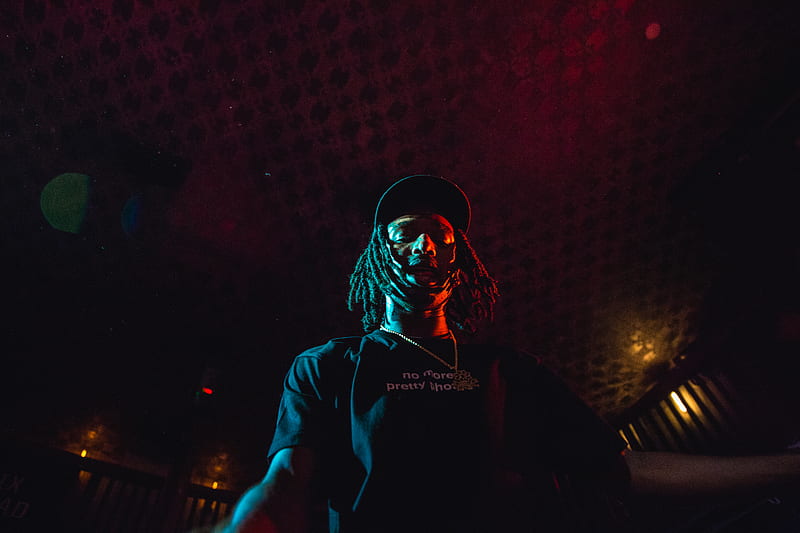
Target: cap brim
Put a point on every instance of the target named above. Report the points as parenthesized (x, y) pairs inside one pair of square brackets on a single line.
[(424, 194)]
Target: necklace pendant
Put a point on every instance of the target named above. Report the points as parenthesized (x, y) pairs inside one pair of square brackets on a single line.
[(463, 380)]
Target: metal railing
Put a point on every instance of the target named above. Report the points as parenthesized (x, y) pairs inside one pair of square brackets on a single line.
[(84, 495)]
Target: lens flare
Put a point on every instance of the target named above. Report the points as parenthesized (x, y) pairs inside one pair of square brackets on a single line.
[(131, 214), (653, 30), (64, 201)]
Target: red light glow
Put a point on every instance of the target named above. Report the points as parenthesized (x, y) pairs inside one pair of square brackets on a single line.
[(207, 390), (652, 31)]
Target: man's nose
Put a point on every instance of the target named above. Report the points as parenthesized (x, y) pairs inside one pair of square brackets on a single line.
[(424, 245)]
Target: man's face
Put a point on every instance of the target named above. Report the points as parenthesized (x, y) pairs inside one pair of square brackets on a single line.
[(423, 250)]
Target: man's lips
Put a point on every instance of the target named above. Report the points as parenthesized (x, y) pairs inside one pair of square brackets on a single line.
[(424, 274), (427, 264)]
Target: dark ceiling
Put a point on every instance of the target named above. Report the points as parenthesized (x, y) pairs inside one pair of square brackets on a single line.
[(630, 165)]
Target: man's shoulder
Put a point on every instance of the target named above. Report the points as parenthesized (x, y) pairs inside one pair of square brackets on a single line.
[(514, 365), (339, 347), (502, 352), (336, 357)]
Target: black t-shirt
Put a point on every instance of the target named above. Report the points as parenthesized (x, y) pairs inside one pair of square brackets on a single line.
[(402, 448)]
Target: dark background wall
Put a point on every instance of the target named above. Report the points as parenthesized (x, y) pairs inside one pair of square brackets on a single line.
[(631, 165)]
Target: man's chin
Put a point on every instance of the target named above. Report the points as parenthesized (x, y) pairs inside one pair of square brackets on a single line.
[(416, 295)]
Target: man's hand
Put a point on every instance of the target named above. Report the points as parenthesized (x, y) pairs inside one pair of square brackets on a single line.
[(257, 523), (281, 503)]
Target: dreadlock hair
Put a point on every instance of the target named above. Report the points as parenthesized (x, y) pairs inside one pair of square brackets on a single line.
[(473, 297)]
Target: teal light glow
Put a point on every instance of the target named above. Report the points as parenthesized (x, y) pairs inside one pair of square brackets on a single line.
[(64, 201)]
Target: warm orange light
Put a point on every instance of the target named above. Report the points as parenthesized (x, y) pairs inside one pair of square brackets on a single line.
[(84, 453), (641, 347), (214, 485), (678, 402)]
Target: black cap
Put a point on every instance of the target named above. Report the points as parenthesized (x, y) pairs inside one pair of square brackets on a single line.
[(424, 193)]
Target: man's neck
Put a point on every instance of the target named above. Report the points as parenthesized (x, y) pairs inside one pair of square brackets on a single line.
[(418, 323)]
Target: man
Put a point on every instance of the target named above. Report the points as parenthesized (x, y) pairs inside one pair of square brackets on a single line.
[(405, 429)]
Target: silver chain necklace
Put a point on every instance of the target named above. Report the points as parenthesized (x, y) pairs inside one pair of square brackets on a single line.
[(462, 379)]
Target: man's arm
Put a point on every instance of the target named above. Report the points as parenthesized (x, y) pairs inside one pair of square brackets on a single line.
[(681, 475), (281, 502)]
